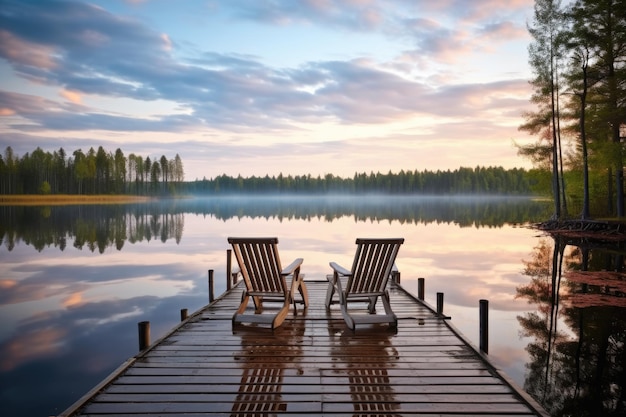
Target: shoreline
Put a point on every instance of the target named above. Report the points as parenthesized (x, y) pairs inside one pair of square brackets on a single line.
[(68, 199)]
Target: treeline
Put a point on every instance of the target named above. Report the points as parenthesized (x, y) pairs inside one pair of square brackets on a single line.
[(102, 172), (94, 172), (479, 180)]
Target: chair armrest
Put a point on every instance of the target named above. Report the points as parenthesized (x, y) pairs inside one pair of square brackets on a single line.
[(292, 267), (339, 269)]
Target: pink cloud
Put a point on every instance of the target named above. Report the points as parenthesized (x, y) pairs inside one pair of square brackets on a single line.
[(26, 53), (73, 96)]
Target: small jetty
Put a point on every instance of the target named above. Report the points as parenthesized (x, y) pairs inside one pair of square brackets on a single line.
[(311, 365)]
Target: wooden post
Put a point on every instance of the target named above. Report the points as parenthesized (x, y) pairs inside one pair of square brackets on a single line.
[(440, 303), (420, 288), (229, 268), (211, 286), (484, 326), (144, 335), (396, 277), (183, 314)]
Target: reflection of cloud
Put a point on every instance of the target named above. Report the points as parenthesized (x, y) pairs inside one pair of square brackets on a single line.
[(98, 321), (6, 284), (48, 334), (26, 347), (73, 282)]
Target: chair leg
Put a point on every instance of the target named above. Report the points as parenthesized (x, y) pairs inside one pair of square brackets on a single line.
[(371, 307), (388, 311), (304, 292), (258, 304), (347, 317), (242, 307), (331, 290), (281, 315)]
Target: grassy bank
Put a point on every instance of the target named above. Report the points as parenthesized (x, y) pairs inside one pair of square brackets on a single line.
[(66, 199)]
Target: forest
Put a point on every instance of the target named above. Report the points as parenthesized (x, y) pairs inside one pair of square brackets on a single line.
[(578, 58), (102, 172), (94, 172), (490, 180)]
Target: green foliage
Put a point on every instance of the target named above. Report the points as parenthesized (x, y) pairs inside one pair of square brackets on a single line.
[(469, 181), (94, 172), (577, 55), (45, 188)]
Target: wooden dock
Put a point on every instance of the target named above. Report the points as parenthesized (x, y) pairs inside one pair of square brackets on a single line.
[(312, 365)]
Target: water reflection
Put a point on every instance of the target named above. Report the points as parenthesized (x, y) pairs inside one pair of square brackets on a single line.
[(578, 349), (92, 227), (70, 307), (99, 227), (264, 362), (366, 361)]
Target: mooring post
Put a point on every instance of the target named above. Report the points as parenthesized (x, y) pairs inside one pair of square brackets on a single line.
[(183, 314), (229, 268), (144, 335), (211, 286), (395, 277), (440, 303), (484, 325), (420, 288)]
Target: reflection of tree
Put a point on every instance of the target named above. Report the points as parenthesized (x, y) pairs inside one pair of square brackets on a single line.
[(579, 370), (95, 227), (466, 212), (98, 227)]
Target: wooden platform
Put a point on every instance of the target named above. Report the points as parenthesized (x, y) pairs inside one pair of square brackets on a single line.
[(312, 364)]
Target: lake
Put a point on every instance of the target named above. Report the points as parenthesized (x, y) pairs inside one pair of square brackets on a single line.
[(76, 280)]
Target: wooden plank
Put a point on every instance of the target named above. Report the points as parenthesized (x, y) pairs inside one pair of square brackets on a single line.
[(312, 364)]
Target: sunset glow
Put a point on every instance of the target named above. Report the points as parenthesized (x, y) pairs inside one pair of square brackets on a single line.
[(255, 88)]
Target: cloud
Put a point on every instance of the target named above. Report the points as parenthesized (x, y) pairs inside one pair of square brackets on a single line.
[(24, 53), (439, 30), (89, 51), (101, 78), (73, 96)]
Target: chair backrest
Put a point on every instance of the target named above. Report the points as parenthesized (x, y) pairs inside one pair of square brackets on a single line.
[(372, 265), (260, 264)]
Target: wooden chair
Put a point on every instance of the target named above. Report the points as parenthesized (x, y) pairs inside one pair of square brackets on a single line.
[(266, 281), (365, 282)]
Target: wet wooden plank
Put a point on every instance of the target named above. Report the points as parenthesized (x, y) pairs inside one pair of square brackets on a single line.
[(312, 364)]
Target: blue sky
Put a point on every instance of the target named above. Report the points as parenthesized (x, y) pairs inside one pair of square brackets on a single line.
[(256, 87)]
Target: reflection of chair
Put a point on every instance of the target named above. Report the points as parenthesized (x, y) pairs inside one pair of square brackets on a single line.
[(264, 363), (367, 281), (265, 280), (366, 363)]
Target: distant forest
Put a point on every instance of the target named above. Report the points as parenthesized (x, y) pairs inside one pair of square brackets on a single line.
[(102, 172), (492, 180)]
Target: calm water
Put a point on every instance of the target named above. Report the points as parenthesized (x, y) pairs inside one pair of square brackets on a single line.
[(76, 280)]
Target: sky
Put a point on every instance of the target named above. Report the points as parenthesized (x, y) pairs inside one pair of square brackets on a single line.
[(264, 87)]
